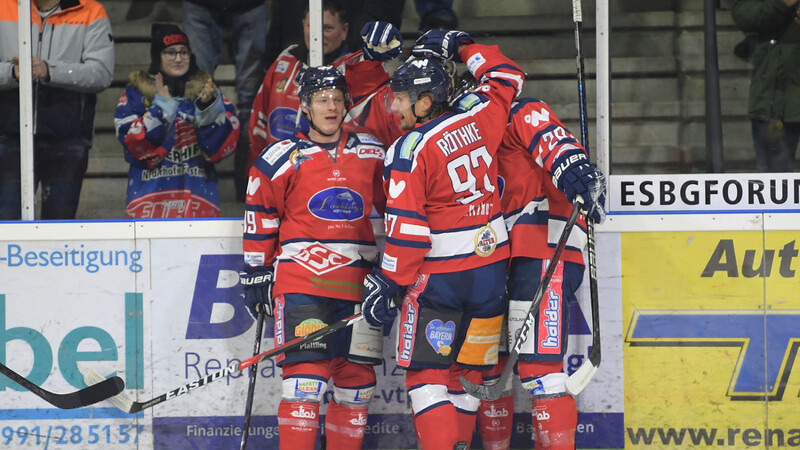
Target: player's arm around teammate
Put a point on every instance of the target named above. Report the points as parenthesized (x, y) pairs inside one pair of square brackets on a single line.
[(446, 244)]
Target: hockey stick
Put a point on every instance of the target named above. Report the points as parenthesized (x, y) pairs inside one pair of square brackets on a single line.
[(581, 377), (494, 391), (84, 397), (126, 404), (251, 388)]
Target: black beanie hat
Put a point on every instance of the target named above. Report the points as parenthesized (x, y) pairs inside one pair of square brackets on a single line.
[(163, 35)]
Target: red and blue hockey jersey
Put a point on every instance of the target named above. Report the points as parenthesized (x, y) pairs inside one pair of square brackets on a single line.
[(368, 85), (172, 147), (443, 207), (274, 114), (308, 212), (535, 210)]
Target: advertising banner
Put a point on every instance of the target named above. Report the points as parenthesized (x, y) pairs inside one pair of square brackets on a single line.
[(699, 337), (701, 193), (65, 303), (711, 337), (160, 306)]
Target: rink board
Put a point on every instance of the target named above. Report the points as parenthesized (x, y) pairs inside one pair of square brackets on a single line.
[(685, 356)]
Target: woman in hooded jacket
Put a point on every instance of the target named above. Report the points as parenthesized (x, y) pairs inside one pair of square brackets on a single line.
[(174, 125)]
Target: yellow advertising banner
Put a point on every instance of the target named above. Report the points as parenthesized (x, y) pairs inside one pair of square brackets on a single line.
[(711, 327)]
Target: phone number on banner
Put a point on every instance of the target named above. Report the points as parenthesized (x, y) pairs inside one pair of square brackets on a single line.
[(70, 435)]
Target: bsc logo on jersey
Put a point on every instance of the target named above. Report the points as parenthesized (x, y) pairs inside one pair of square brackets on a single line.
[(320, 259)]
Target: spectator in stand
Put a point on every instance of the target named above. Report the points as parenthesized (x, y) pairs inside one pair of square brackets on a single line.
[(73, 60), (245, 21), (436, 14), (174, 125), (774, 106), (275, 109)]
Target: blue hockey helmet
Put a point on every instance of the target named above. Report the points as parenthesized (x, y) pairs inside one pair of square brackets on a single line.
[(419, 75), (318, 78)]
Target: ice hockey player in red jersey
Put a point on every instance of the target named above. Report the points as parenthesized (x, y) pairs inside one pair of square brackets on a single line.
[(536, 206), (308, 243), (446, 242), (274, 114)]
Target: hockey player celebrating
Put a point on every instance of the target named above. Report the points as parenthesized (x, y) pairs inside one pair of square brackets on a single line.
[(307, 228), (446, 243), (536, 205)]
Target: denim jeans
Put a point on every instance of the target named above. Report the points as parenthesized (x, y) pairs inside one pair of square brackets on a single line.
[(434, 12), (247, 41), (775, 145), (58, 165)]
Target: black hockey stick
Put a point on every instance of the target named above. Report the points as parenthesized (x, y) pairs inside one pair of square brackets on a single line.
[(251, 388), (581, 377), (494, 391), (84, 397), (126, 404)]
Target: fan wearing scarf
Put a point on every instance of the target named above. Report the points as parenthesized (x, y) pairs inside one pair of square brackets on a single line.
[(174, 125)]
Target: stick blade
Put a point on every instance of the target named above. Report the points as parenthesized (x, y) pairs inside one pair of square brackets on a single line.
[(120, 400), (105, 389), (578, 381), (481, 391)]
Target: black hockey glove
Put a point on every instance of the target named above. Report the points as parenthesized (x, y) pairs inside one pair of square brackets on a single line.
[(257, 282), (576, 177), (382, 41), (441, 44), (377, 302)]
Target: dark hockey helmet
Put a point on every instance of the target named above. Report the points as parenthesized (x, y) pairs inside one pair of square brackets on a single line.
[(418, 75), (464, 83), (318, 78)]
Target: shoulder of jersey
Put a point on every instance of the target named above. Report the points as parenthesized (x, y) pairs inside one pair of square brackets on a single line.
[(467, 101), (277, 152), (525, 102), (366, 138), (404, 148), (365, 146)]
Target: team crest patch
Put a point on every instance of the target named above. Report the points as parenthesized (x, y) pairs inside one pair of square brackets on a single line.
[(320, 259), (409, 144), (281, 85), (441, 336), (297, 157), (308, 326), (485, 241), (468, 101)]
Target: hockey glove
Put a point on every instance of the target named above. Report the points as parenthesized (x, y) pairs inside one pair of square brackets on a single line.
[(257, 282), (377, 301), (575, 177), (441, 44), (382, 41)]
